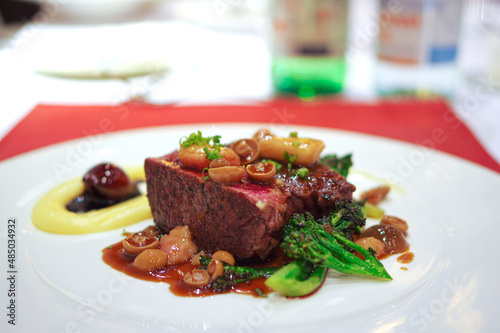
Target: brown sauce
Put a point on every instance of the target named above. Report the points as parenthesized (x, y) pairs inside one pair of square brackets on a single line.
[(115, 257), (406, 258), (123, 262)]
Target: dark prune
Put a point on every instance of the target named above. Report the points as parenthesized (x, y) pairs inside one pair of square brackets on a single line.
[(105, 185), (107, 181)]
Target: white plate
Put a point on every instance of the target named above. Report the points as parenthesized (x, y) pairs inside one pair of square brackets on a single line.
[(62, 285)]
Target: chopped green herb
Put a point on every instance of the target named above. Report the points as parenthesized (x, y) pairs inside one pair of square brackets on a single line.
[(289, 157), (216, 139), (124, 232), (279, 166), (212, 155), (203, 174), (303, 172), (296, 143), (198, 139), (294, 134)]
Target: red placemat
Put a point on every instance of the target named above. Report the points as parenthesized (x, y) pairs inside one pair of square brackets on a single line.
[(428, 123)]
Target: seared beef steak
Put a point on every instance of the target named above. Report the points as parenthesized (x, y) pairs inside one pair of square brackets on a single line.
[(245, 219)]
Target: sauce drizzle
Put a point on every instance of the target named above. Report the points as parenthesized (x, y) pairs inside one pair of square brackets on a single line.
[(406, 258), (115, 257)]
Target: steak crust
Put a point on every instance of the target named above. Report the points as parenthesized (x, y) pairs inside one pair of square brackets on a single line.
[(245, 219)]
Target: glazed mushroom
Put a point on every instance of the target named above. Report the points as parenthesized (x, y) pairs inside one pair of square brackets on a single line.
[(261, 172), (150, 259), (139, 242), (226, 174), (224, 256), (197, 278), (247, 149)]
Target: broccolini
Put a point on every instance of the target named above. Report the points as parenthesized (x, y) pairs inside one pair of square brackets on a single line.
[(338, 163), (235, 274), (304, 238)]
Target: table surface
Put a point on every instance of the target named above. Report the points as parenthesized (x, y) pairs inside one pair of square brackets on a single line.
[(216, 55)]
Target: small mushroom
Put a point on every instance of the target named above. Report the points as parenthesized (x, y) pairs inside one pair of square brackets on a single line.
[(371, 242), (247, 149), (396, 222), (139, 242), (226, 174), (224, 256), (375, 195), (150, 259), (219, 162), (263, 134), (215, 269), (195, 156), (305, 151), (196, 278), (261, 172)]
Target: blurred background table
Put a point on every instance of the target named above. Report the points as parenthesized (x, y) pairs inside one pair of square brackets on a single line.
[(216, 51)]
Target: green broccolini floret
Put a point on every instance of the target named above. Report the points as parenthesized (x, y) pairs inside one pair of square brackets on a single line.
[(346, 219), (338, 163), (315, 250), (235, 274), (304, 238)]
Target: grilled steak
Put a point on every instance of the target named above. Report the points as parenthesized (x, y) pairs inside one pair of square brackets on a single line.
[(245, 219)]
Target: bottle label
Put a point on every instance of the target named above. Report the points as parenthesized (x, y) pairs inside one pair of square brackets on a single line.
[(401, 34), (310, 28), (444, 38), (419, 31)]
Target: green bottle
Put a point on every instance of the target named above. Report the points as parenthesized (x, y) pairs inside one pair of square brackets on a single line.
[(309, 38)]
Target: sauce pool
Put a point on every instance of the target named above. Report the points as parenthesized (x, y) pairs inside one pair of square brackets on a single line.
[(115, 257), (123, 262)]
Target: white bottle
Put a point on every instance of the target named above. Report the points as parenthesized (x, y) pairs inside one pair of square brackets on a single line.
[(418, 46)]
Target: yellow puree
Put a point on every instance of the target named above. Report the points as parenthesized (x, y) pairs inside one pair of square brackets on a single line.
[(50, 213)]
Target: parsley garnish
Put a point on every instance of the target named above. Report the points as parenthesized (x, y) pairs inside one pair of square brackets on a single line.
[(210, 142), (279, 166), (203, 174), (212, 155), (303, 172), (198, 139), (289, 158)]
